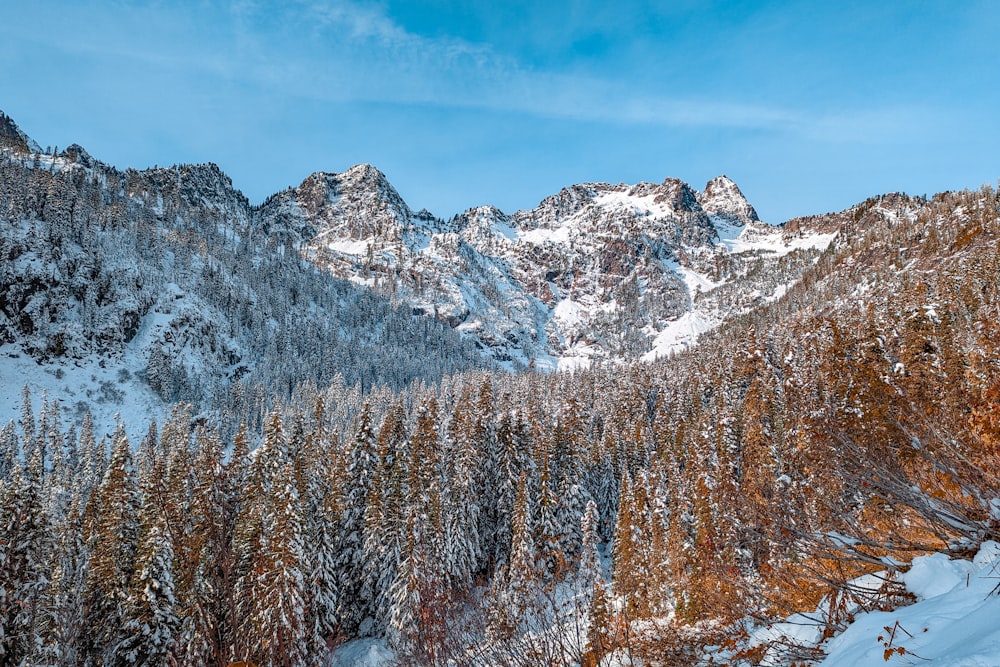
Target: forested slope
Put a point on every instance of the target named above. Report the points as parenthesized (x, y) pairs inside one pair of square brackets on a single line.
[(170, 277)]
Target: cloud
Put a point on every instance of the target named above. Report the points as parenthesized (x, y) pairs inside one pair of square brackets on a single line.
[(355, 52), (351, 52), (346, 51), (363, 22)]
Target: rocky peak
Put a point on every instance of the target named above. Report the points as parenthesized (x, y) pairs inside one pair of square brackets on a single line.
[(424, 215), (365, 177), (11, 136), (77, 153), (483, 214), (355, 204), (678, 195), (204, 177), (722, 197), (196, 185), (483, 224), (556, 208)]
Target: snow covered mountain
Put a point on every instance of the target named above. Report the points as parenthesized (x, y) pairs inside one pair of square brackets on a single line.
[(125, 291), (166, 284), (596, 271), (828, 449)]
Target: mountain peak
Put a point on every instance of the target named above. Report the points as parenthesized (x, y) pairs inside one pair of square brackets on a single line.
[(365, 173), (678, 194), (11, 136), (723, 198), (363, 168), (357, 203), (79, 154)]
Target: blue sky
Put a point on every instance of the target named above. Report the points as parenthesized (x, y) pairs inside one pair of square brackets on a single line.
[(808, 106)]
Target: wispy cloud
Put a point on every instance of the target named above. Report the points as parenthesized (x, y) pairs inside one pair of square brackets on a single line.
[(348, 51)]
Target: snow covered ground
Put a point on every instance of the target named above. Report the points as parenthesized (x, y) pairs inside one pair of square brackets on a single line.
[(87, 385), (954, 623), (364, 652), (680, 334)]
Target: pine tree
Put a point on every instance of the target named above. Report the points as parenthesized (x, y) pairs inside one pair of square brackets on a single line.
[(177, 465), (9, 450), (439, 548), (457, 481), (112, 536), (494, 492), (27, 424), (149, 448), (59, 622), (204, 562), (152, 626), (519, 589), (248, 539), (320, 544), (362, 461), (272, 591), (24, 551), (572, 504), (93, 457), (630, 579), (589, 568), (600, 634), (424, 478), (547, 528), (758, 469), (62, 625), (511, 443), (386, 514)]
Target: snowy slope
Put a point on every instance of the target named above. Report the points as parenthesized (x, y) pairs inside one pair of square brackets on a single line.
[(84, 386), (952, 624)]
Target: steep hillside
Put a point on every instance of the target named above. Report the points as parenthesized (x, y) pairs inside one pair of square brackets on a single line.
[(129, 290)]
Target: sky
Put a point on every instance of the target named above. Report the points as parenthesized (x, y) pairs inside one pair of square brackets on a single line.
[(809, 106)]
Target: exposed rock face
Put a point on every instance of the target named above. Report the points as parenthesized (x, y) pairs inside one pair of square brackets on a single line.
[(13, 138), (78, 154), (723, 198)]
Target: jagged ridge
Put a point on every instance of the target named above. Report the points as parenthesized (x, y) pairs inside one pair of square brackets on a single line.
[(596, 271)]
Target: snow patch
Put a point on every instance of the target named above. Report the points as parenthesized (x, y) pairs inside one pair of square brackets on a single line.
[(680, 334), (934, 575), (364, 652), (570, 312), (85, 385), (760, 237)]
